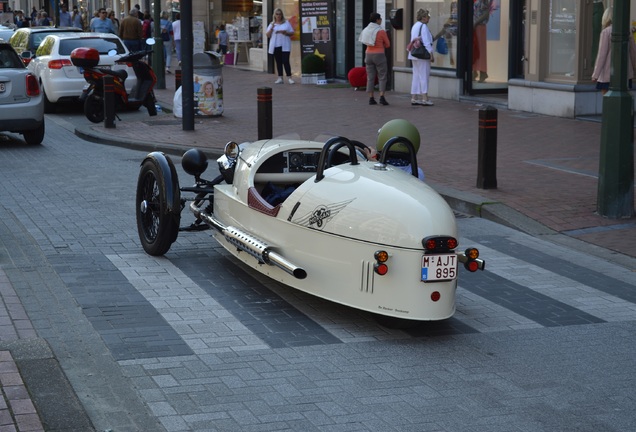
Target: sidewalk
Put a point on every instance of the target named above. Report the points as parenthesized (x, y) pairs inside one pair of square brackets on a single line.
[(546, 167)]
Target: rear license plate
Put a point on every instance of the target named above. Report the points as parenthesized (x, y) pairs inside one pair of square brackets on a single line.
[(2, 88), (437, 268)]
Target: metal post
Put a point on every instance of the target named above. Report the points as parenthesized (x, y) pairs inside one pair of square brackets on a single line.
[(615, 197), (187, 47), (264, 101), (157, 59), (487, 152), (109, 102), (177, 79)]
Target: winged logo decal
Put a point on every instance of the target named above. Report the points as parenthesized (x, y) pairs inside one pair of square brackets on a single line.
[(321, 215)]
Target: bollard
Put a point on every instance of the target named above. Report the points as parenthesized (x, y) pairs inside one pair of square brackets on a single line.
[(177, 79), (487, 153), (109, 102), (264, 100)]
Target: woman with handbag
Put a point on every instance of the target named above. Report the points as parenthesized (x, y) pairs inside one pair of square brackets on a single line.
[(421, 67)]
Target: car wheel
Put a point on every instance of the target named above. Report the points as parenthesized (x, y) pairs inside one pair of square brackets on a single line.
[(94, 108), (158, 227), (49, 107), (35, 136)]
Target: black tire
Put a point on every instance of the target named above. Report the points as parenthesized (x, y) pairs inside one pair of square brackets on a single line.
[(94, 108), (157, 226), (34, 137), (49, 107)]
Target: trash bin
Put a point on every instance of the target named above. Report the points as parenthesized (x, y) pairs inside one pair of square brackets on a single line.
[(208, 84)]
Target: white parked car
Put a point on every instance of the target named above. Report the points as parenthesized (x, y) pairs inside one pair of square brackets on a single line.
[(61, 81)]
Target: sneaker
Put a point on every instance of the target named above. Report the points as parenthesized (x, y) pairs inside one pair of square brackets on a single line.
[(427, 102), (278, 81), (291, 81), (416, 102), (168, 71), (372, 101), (383, 101)]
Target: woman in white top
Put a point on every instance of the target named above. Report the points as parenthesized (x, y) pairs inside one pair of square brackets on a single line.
[(421, 68), (279, 33)]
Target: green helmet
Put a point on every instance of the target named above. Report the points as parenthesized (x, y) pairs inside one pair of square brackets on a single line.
[(399, 128)]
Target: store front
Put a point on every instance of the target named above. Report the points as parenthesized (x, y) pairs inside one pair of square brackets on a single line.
[(540, 54)]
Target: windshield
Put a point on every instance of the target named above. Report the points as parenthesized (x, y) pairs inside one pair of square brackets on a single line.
[(101, 45)]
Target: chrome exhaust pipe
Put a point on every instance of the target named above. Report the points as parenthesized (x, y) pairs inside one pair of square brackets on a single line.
[(250, 244)]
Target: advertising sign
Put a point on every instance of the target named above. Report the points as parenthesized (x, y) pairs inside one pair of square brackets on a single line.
[(317, 33)]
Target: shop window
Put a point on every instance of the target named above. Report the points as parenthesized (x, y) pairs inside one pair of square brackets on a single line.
[(443, 24), (562, 38)]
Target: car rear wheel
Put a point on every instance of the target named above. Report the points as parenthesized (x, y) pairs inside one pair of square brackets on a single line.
[(158, 227), (94, 108), (35, 136), (49, 107)]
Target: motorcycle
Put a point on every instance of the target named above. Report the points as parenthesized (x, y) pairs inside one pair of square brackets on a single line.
[(142, 94)]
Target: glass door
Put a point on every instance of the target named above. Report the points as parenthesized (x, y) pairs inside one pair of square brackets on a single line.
[(488, 33)]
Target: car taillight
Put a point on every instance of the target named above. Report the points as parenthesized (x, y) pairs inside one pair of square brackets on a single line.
[(380, 267), (59, 64), (32, 86), (439, 244)]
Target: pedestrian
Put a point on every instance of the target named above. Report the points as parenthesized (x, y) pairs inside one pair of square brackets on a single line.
[(481, 15), (102, 24), (147, 26), (421, 67), (223, 40), (280, 31), (34, 16), (131, 31), (76, 19), (44, 19), (113, 19), (166, 37), (65, 17), (376, 41), (602, 67), (176, 35)]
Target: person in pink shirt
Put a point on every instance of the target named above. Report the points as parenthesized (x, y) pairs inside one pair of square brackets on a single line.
[(376, 41)]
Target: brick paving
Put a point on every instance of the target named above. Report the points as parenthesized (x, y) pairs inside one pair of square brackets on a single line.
[(546, 166)]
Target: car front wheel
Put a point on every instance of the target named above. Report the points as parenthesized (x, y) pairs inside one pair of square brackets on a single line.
[(35, 136)]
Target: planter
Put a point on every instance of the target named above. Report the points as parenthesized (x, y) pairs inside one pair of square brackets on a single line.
[(312, 78)]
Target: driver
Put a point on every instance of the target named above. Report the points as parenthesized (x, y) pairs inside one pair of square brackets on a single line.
[(399, 154)]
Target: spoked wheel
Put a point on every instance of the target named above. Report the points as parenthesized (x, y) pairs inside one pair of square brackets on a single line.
[(157, 225), (94, 108)]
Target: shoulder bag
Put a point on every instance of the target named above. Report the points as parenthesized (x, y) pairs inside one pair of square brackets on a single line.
[(418, 50)]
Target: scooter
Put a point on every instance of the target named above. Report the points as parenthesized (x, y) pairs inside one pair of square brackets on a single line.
[(142, 94)]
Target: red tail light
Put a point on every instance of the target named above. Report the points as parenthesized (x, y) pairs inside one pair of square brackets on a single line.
[(435, 296), (59, 64), (439, 244), (381, 269), (32, 86)]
